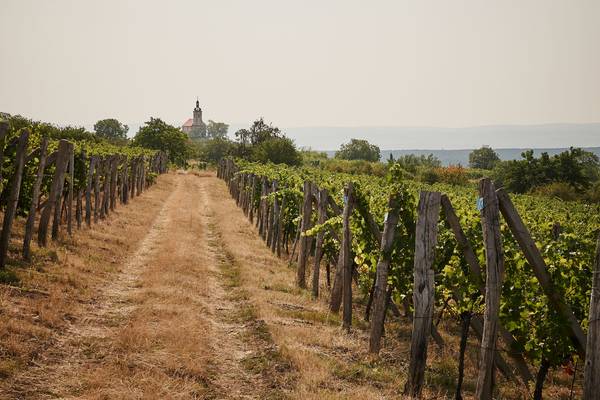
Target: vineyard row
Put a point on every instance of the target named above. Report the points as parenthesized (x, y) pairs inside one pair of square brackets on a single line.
[(57, 180), (316, 215)]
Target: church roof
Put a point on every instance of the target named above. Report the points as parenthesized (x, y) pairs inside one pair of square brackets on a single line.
[(189, 122)]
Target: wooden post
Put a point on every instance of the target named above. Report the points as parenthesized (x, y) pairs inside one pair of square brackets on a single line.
[(35, 197), (114, 163), (71, 181), (304, 240), (322, 217), (535, 259), (53, 201), (347, 256), (13, 198), (591, 377), (79, 208), (383, 264), (97, 172), (424, 289), (275, 220), (60, 201), (3, 132), (88, 192), (494, 255), (475, 274)]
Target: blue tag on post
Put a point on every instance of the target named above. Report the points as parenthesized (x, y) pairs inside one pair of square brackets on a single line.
[(480, 204)]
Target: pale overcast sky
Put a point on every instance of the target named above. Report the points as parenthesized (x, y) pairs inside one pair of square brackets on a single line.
[(303, 63)]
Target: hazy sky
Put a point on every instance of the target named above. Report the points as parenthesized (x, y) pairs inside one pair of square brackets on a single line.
[(303, 63)]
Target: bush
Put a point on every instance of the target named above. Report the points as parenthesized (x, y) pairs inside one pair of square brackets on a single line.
[(358, 149), (452, 175), (277, 151), (353, 167), (559, 190)]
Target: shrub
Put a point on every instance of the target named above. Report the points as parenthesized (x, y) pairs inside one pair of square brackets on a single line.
[(559, 190)]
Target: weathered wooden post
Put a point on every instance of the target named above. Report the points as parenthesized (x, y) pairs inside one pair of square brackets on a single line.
[(591, 377), (3, 132), (321, 218), (538, 265), (13, 198), (97, 172), (71, 181), (494, 256), (275, 220), (304, 240), (347, 256), (60, 196), (383, 264), (53, 201), (114, 164), (88, 192), (424, 289), (35, 197)]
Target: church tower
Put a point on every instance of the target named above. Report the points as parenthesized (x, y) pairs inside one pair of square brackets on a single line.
[(198, 130), (197, 115)]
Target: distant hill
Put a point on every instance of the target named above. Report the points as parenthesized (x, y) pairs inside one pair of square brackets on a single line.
[(550, 136)]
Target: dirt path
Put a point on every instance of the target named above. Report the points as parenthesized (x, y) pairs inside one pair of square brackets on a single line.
[(173, 322)]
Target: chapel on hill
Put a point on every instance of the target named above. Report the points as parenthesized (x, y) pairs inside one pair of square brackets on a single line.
[(195, 127)]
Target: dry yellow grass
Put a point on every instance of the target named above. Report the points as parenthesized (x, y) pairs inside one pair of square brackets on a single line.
[(176, 296)]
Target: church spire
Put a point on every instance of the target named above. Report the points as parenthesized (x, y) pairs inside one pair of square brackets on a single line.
[(197, 104)]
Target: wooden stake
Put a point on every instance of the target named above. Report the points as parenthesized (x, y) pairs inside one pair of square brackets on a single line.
[(380, 288), (591, 377), (494, 255), (13, 198), (424, 289), (347, 256), (35, 198), (304, 240), (322, 217), (535, 259)]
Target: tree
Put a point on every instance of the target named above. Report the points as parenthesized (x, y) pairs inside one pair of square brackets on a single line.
[(110, 128), (258, 133), (575, 167), (359, 149), (213, 150), (278, 151), (158, 135), (483, 158), (216, 130)]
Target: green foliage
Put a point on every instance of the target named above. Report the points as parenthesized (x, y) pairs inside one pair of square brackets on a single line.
[(110, 128), (216, 130), (413, 163), (576, 167), (158, 135), (483, 158), (212, 150), (266, 143), (524, 309), (277, 150), (358, 149)]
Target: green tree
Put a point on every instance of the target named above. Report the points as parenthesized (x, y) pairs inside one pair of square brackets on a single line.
[(213, 150), (110, 128), (278, 151), (358, 149), (483, 158), (158, 135), (216, 130), (258, 133)]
